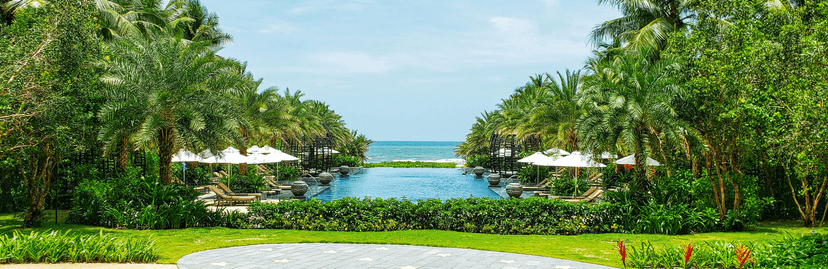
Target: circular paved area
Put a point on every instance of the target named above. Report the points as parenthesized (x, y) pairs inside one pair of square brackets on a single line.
[(318, 255)]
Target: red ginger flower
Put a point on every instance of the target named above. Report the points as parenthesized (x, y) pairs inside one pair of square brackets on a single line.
[(742, 255), (623, 251), (688, 251)]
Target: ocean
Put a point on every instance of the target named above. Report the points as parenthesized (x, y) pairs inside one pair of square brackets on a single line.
[(426, 151)]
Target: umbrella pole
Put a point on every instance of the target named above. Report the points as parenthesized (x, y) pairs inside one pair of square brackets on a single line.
[(184, 165)]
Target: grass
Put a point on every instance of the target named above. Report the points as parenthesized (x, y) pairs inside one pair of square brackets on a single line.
[(591, 248), (410, 164)]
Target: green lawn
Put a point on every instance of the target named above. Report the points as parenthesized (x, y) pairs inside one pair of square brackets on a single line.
[(591, 248)]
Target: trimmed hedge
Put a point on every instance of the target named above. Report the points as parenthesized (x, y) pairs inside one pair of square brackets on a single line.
[(478, 215)]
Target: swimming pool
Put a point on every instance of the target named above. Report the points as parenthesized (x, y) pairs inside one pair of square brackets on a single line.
[(411, 183)]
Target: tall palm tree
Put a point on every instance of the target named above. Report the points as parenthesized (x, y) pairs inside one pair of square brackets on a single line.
[(477, 141), (296, 120), (628, 101), (177, 92), (645, 24), (194, 22)]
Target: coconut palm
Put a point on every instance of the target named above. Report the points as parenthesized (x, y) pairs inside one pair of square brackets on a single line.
[(357, 145), (628, 101), (176, 91), (645, 24)]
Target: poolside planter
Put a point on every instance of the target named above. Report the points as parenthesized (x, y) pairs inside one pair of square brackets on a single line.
[(325, 179), (514, 190), (494, 180), (344, 170), (299, 188), (478, 171)]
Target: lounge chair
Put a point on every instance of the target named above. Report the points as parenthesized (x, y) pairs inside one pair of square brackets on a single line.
[(594, 179), (230, 192), (273, 185), (221, 196), (224, 174), (543, 185), (584, 195), (262, 169), (588, 199)]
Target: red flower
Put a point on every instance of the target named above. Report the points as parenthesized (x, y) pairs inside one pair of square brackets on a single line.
[(623, 251), (688, 251), (742, 255)]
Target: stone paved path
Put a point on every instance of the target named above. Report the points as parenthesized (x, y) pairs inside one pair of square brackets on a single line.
[(319, 255)]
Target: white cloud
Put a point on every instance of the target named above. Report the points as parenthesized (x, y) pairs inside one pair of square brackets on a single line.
[(277, 27), (512, 25)]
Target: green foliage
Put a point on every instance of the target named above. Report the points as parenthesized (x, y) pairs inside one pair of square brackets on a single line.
[(63, 247), (478, 160), (350, 161), (532, 174), (252, 183), (478, 215), (134, 202), (795, 252), (407, 164), (565, 186), (198, 175)]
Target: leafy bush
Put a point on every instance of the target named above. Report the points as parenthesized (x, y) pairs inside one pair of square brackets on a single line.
[(477, 160), (197, 175), (793, 252), (565, 186), (479, 215), (532, 174), (251, 183), (283, 173), (136, 202), (350, 161), (54, 247), (790, 252), (411, 165)]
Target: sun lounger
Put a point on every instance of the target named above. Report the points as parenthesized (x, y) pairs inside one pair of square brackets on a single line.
[(262, 169), (228, 199), (588, 199), (594, 179), (224, 174), (584, 195), (543, 185), (230, 192), (272, 184)]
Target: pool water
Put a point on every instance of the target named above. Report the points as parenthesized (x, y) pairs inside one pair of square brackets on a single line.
[(410, 183)]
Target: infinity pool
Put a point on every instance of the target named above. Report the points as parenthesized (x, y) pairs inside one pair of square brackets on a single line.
[(411, 183)]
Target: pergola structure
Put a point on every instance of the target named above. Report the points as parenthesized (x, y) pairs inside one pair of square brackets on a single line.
[(504, 152), (314, 153)]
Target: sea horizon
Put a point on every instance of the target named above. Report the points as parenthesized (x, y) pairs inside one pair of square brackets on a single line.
[(424, 151)]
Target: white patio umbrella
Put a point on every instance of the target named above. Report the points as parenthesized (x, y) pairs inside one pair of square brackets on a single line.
[(268, 150), (184, 156), (631, 161), (578, 161), (556, 151), (536, 157), (226, 156), (254, 149)]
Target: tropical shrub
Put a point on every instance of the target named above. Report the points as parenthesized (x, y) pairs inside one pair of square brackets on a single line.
[(251, 183), (478, 215), (55, 247), (350, 161), (565, 186), (477, 160), (532, 174), (283, 172), (195, 175), (136, 202), (794, 252)]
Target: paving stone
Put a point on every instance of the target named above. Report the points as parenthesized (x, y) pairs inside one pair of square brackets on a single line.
[(320, 255)]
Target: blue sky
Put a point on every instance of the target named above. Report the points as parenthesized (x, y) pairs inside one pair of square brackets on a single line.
[(408, 70)]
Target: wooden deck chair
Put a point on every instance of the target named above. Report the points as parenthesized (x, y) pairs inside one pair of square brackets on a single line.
[(224, 174), (272, 184), (584, 195), (230, 192), (262, 169), (543, 185), (216, 174), (228, 199), (588, 199)]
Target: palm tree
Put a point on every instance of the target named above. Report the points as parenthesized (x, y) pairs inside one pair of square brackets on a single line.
[(198, 24), (477, 141), (628, 101), (645, 24), (253, 110), (357, 145), (176, 91)]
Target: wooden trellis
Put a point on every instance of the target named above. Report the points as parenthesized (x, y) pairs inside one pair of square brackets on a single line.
[(315, 154), (504, 152)]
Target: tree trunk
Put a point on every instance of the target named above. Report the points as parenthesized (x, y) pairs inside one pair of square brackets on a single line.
[(123, 153), (37, 181), (640, 164), (166, 143), (243, 166)]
